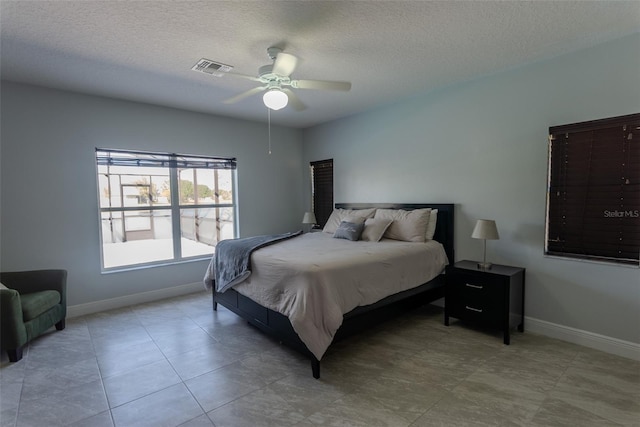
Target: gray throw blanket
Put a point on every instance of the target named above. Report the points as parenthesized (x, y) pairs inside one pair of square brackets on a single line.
[(232, 260)]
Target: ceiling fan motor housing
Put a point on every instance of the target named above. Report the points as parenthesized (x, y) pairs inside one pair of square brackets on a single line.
[(266, 75), (265, 71)]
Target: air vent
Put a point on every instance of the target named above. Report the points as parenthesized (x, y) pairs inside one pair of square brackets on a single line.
[(208, 66)]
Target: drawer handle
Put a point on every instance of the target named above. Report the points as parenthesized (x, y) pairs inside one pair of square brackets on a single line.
[(477, 310), (469, 285)]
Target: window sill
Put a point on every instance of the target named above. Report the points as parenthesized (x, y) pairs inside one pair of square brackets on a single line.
[(127, 268)]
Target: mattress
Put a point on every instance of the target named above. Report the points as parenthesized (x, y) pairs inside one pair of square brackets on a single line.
[(314, 279)]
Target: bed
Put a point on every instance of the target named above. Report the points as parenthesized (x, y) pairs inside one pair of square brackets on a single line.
[(375, 298)]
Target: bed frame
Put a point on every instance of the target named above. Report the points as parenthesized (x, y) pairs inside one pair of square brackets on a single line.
[(360, 318)]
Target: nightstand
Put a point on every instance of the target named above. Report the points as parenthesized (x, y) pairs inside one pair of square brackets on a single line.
[(492, 298)]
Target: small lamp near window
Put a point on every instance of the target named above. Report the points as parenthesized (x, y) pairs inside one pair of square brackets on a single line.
[(309, 218), (485, 229)]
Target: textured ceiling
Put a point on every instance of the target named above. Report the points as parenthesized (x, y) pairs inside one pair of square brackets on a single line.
[(144, 50)]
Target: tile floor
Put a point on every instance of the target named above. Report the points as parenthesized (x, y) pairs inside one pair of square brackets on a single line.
[(178, 363)]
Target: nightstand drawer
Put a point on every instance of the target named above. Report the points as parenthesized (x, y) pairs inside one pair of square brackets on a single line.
[(473, 310), (476, 286)]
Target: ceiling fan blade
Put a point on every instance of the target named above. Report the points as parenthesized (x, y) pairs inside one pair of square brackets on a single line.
[(243, 76), (285, 64), (321, 85), (294, 101), (244, 95)]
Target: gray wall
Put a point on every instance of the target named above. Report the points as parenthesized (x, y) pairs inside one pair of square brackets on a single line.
[(48, 203), (483, 146)]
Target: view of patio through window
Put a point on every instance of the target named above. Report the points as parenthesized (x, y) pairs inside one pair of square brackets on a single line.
[(159, 208)]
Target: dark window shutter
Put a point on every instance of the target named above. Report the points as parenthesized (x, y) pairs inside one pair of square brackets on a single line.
[(322, 189), (593, 205)]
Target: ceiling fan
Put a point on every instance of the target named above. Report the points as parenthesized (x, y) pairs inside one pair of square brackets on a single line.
[(276, 81)]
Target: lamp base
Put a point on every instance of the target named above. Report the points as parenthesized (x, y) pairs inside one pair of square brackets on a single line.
[(484, 266)]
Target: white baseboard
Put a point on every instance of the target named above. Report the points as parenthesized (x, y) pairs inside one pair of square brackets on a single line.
[(576, 336), (124, 301), (604, 343)]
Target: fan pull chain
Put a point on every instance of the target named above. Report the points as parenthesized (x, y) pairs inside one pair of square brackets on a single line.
[(269, 125)]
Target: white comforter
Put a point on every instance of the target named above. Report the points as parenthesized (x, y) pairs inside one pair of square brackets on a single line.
[(314, 279)]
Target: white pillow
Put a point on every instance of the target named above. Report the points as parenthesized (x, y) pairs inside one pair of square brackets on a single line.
[(374, 229), (408, 226), (431, 227), (3, 286), (338, 215)]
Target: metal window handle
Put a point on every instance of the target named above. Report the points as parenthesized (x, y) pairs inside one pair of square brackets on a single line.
[(477, 310), (473, 286)]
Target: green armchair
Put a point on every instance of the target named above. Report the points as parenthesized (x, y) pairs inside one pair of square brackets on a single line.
[(34, 302)]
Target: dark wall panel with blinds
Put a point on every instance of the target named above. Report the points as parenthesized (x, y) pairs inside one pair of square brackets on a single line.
[(322, 190), (593, 205)]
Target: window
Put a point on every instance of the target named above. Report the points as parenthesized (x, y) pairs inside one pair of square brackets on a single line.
[(593, 198), (158, 207), (322, 189)]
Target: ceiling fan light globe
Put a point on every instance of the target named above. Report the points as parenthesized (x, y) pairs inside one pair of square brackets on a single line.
[(275, 99)]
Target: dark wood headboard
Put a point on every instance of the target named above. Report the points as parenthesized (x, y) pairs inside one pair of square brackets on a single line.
[(444, 228)]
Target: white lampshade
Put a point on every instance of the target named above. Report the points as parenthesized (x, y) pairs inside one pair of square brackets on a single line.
[(485, 229), (309, 218), (275, 99)]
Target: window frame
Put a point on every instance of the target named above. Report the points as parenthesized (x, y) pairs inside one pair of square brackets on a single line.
[(173, 163), (593, 191)]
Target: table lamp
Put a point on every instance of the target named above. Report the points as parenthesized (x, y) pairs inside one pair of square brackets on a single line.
[(485, 229), (309, 218)]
